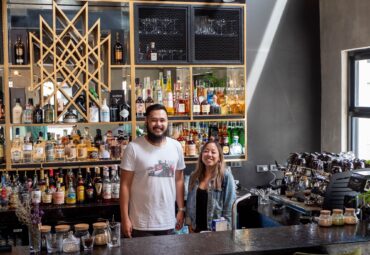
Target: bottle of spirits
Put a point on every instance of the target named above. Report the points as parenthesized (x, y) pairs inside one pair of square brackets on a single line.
[(94, 113), (124, 109), (48, 113), (149, 100), (28, 112), (104, 152), (71, 151), (190, 147), (98, 140), (89, 187), (81, 102), (17, 112), (82, 149), (59, 149), (107, 185), (38, 115), (169, 95), (225, 145), (49, 148), (114, 110), (16, 151), (235, 147), (58, 195), (98, 185), (2, 142), (71, 194), (27, 148), (61, 180), (140, 104), (42, 181), (36, 192), (80, 188), (52, 182), (152, 53), (19, 53), (196, 104), (115, 180), (46, 196), (205, 107), (104, 112), (118, 51), (60, 106)]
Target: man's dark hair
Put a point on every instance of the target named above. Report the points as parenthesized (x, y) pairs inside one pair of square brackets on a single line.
[(155, 107)]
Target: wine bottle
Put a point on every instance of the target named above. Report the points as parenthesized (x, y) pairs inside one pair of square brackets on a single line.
[(19, 51), (118, 51)]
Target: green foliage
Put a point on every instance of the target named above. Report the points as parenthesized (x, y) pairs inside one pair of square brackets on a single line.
[(214, 81)]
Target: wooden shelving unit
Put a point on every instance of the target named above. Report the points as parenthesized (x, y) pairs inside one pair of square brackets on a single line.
[(105, 82)]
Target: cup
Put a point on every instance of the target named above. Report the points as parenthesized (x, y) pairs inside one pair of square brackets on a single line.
[(115, 234), (87, 242)]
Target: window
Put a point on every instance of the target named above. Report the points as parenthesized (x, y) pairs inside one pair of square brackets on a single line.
[(359, 103)]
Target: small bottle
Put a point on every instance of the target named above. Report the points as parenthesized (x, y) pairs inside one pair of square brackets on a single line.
[(58, 195), (27, 148), (28, 112), (49, 148), (47, 195), (114, 110), (48, 113), (36, 192), (71, 194), (38, 115), (152, 53), (16, 151), (98, 185), (140, 107), (118, 51), (39, 149), (19, 53), (205, 107), (225, 145), (149, 100), (115, 180), (89, 187), (80, 188), (104, 112), (2, 142), (94, 113), (124, 108), (71, 151), (17, 112), (190, 147), (107, 185), (59, 149)]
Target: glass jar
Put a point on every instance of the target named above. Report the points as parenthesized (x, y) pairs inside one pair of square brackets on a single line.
[(338, 219), (61, 234), (350, 217), (71, 244), (44, 231), (80, 231), (325, 219), (100, 233)]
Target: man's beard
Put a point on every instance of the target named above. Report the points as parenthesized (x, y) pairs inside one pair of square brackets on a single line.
[(156, 138)]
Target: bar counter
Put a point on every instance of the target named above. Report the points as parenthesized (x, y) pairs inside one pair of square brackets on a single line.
[(276, 240)]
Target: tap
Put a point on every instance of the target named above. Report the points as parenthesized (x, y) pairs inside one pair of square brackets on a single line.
[(235, 209)]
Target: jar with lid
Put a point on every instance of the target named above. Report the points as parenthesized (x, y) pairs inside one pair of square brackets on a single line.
[(100, 233), (81, 230), (350, 217), (338, 219), (61, 234), (71, 244), (325, 219), (45, 230)]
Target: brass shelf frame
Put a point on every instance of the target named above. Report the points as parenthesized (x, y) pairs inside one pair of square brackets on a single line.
[(133, 67)]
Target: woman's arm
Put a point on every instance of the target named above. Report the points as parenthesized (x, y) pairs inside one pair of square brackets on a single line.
[(229, 195)]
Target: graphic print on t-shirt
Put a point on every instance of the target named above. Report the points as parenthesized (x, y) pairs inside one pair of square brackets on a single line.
[(162, 169)]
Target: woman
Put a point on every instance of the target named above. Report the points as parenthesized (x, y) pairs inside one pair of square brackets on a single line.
[(211, 190)]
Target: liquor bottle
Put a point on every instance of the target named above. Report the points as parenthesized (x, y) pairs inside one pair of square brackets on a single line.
[(52, 182), (17, 112), (28, 112), (140, 104), (42, 182), (82, 149), (80, 188), (16, 151), (4, 194), (71, 194), (48, 113), (36, 192), (89, 187), (38, 115), (19, 53), (98, 185), (118, 51), (59, 149), (98, 140), (190, 147), (107, 185), (235, 147), (225, 145), (169, 95), (204, 107), (60, 106), (94, 113), (241, 134), (104, 112), (27, 148), (104, 152), (71, 151), (115, 180), (149, 100), (214, 107), (124, 109), (152, 53), (2, 142), (61, 180), (2, 110), (47, 195), (49, 148), (81, 102), (114, 110), (196, 104), (58, 195)]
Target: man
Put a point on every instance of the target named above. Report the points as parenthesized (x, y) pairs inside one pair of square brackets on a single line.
[(152, 179)]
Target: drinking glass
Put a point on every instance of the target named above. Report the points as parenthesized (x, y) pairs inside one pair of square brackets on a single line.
[(87, 242), (115, 234), (52, 243)]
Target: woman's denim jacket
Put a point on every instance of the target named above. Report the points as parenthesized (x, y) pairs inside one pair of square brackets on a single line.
[(219, 202)]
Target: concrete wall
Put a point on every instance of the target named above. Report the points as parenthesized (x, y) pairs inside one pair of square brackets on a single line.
[(284, 101), (343, 25)]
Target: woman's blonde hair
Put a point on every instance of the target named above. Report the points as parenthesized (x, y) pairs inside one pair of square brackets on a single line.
[(200, 169)]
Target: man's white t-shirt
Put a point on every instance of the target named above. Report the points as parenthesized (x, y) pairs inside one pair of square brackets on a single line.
[(153, 190)]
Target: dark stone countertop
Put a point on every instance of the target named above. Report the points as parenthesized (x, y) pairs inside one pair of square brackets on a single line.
[(276, 240)]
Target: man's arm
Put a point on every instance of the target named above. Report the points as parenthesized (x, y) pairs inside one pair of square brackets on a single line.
[(179, 178), (126, 181)]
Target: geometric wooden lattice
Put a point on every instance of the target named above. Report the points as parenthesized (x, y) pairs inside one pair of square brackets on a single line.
[(70, 54)]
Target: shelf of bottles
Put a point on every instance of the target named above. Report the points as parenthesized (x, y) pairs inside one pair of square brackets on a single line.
[(61, 186)]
